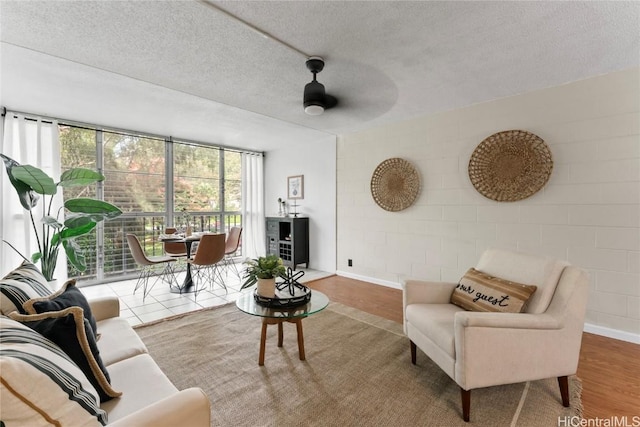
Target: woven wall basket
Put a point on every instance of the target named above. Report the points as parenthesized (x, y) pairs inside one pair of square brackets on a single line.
[(510, 165), (395, 184)]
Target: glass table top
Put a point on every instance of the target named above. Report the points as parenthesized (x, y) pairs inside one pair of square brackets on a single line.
[(248, 304)]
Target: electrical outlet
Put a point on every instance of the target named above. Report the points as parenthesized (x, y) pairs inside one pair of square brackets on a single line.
[(350, 262)]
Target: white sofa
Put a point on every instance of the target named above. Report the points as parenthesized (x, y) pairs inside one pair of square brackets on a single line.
[(148, 397), (42, 385)]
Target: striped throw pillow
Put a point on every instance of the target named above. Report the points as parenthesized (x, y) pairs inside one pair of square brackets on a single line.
[(40, 384), (19, 286), (478, 291), (71, 331)]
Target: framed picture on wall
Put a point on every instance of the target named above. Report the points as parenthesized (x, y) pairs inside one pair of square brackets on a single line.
[(295, 187)]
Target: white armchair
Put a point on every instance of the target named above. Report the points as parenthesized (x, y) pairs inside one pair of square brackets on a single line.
[(480, 349)]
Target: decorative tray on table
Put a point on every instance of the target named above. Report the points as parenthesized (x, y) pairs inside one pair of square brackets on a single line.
[(289, 293)]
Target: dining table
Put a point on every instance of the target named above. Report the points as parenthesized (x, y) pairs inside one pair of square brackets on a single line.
[(187, 284)]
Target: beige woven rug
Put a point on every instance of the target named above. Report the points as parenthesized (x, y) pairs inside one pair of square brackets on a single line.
[(357, 372)]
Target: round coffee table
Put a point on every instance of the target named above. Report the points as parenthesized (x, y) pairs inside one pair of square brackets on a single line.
[(276, 316)]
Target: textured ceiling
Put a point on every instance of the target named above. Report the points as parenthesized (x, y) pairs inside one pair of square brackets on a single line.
[(198, 73)]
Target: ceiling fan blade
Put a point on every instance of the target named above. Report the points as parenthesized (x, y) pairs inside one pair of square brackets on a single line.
[(330, 101)]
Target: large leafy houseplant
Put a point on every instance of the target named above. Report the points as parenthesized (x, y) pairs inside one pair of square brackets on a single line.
[(84, 213), (268, 267)]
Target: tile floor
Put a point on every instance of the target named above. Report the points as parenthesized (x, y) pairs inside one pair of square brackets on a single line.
[(161, 303)]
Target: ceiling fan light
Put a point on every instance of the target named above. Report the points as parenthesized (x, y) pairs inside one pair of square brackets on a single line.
[(314, 110), (314, 98)]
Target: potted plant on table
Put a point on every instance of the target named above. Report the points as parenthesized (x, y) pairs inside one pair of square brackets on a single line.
[(263, 271), (84, 213)]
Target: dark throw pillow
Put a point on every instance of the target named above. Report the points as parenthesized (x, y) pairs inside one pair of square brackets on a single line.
[(70, 330), (67, 296), (478, 291)]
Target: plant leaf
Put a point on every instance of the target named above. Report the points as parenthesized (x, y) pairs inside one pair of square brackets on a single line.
[(249, 282), (52, 222), (75, 255), (36, 257), (79, 176), (77, 220), (70, 233), (97, 209), (35, 178), (28, 198)]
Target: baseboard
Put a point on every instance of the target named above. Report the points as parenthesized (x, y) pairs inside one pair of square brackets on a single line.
[(387, 283), (588, 327), (612, 333)]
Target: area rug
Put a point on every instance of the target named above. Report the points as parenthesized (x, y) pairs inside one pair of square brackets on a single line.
[(357, 372)]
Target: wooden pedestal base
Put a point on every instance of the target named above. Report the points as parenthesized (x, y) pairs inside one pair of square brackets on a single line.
[(274, 321)]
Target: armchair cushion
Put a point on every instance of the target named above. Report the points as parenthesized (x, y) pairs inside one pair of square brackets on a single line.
[(482, 292), (438, 319)]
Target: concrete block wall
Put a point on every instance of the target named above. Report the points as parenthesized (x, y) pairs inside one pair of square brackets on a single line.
[(588, 213)]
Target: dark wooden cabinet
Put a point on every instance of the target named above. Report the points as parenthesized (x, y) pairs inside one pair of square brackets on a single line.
[(289, 239)]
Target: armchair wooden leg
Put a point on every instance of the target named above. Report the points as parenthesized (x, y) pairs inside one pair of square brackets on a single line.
[(413, 352), (563, 382), (466, 403)]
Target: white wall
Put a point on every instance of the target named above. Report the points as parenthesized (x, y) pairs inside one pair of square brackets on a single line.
[(588, 213), (317, 162)]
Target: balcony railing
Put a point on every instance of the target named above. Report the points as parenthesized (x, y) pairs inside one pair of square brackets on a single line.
[(111, 260)]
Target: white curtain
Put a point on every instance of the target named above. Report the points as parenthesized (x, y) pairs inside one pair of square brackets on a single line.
[(36, 143), (253, 232)]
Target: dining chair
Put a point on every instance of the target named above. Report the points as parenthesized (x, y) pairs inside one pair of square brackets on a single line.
[(205, 262), (150, 266), (231, 247), (174, 249)]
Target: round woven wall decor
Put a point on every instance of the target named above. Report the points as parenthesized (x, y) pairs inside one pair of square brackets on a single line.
[(511, 165), (395, 184)]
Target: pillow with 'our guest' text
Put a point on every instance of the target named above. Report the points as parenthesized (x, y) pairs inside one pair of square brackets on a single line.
[(478, 291)]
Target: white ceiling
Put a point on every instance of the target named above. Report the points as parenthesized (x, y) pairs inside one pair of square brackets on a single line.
[(185, 69)]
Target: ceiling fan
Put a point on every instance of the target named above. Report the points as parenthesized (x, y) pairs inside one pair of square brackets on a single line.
[(315, 98)]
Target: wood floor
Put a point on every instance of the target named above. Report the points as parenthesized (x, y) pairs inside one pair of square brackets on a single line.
[(609, 369)]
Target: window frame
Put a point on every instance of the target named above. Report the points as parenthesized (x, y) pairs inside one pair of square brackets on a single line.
[(224, 216)]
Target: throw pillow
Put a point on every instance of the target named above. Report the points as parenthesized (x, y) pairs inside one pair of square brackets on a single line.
[(22, 284), (478, 291), (67, 296), (70, 330), (40, 384)]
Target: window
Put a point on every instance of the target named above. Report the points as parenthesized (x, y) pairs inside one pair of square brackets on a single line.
[(134, 170), (196, 186), (156, 183)]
